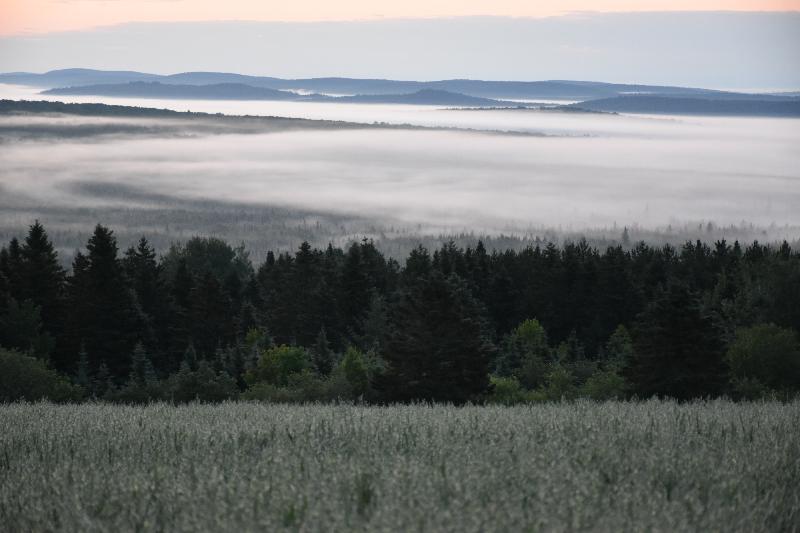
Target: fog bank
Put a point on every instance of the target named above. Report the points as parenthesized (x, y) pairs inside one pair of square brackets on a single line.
[(616, 170)]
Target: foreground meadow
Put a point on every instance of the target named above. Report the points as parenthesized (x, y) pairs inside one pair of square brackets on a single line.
[(651, 466)]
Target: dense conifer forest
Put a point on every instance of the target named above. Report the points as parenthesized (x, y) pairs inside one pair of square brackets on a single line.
[(454, 324)]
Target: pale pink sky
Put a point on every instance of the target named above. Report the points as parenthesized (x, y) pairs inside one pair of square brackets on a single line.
[(34, 16)]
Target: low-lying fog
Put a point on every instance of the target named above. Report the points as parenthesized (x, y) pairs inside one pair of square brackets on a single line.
[(597, 170)]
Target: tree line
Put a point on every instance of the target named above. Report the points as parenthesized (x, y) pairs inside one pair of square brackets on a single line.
[(455, 325)]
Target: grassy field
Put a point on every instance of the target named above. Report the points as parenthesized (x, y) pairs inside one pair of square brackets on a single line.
[(653, 466)]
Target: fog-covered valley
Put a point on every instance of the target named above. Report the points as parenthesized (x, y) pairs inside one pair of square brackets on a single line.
[(274, 183)]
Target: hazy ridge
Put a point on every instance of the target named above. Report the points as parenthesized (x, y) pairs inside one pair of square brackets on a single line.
[(591, 96)]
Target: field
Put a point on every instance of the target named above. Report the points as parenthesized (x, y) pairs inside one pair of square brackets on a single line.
[(653, 466)]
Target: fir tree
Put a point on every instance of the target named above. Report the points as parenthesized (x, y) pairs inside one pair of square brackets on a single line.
[(322, 356), (42, 278), (11, 267), (83, 375), (677, 349), (102, 311), (210, 317), (374, 323), (142, 372), (190, 358), (437, 347)]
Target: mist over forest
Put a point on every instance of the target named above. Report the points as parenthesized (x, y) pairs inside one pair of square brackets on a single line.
[(444, 173)]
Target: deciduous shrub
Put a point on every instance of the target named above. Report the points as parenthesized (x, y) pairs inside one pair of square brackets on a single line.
[(764, 356), (23, 377)]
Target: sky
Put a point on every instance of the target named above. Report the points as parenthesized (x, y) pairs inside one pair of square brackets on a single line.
[(722, 44), (26, 16)]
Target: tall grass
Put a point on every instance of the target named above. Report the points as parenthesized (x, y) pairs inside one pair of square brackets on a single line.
[(652, 466)]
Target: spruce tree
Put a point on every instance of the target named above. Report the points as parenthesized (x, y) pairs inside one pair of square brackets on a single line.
[(437, 347), (374, 323), (142, 372), (41, 276), (322, 357), (677, 350), (144, 276), (103, 384), (211, 316), (190, 358), (11, 267), (102, 314), (143, 273), (83, 375)]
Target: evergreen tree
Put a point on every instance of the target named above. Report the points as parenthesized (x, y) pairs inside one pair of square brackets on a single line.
[(619, 348), (103, 384), (322, 356), (102, 312), (418, 265), (41, 276), (21, 328), (142, 372), (190, 358), (211, 316), (140, 262), (83, 375), (11, 267), (525, 353), (437, 348), (182, 285), (677, 349), (4, 288), (374, 323), (355, 371), (143, 273), (364, 270)]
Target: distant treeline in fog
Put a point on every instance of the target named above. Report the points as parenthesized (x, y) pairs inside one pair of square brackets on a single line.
[(453, 324), (169, 221)]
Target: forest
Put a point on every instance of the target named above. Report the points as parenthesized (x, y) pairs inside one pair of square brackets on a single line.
[(456, 325)]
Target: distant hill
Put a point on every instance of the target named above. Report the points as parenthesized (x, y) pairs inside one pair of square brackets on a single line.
[(152, 89), (74, 77), (239, 91), (509, 90), (789, 107), (421, 97), (593, 96)]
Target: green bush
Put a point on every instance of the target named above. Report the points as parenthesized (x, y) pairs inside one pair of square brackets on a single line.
[(276, 365), (560, 384), (302, 388), (604, 385), (26, 378), (524, 354), (202, 384), (750, 389), (506, 391), (267, 392), (354, 367), (138, 393), (764, 356), (299, 388)]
